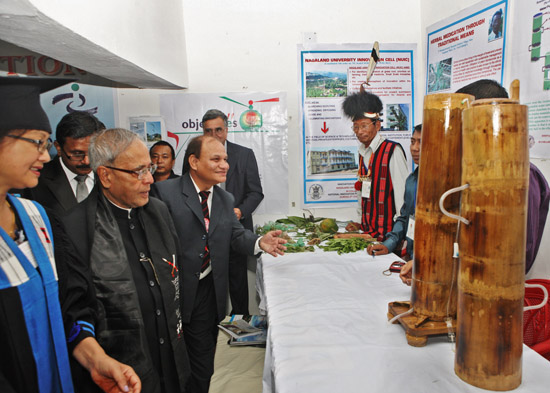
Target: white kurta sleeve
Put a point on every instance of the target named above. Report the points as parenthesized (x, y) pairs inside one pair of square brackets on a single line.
[(399, 172)]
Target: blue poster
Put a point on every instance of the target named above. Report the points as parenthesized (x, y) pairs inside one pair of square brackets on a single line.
[(99, 101)]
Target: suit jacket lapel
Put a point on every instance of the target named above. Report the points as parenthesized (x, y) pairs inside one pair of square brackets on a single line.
[(231, 160), (216, 209), (59, 186), (191, 198)]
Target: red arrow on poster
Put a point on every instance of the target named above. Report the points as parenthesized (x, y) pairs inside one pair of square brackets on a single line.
[(325, 128)]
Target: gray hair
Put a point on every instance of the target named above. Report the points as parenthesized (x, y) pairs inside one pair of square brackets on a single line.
[(212, 114), (107, 145)]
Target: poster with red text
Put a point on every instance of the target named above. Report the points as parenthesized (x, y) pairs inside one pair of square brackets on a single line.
[(466, 47), (328, 73)]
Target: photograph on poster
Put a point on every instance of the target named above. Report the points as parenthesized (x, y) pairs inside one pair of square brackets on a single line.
[(138, 127), (495, 28), (397, 117), (439, 75), (154, 133), (327, 161), (150, 129), (326, 84)]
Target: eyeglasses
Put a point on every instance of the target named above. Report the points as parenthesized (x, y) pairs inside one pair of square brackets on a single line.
[(42, 146), (74, 157), (141, 173), (363, 127)]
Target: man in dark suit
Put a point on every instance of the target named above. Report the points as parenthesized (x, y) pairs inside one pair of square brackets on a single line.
[(243, 182), (207, 228), (68, 179), (130, 252)]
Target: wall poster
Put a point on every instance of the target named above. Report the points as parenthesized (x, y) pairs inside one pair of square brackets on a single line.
[(328, 73), (530, 63), (467, 46), (256, 120)]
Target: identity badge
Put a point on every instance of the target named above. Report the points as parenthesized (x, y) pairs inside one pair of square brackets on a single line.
[(365, 191), (410, 228)]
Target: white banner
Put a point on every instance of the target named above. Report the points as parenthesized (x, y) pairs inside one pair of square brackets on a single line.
[(329, 73), (467, 46), (531, 65), (256, 120)]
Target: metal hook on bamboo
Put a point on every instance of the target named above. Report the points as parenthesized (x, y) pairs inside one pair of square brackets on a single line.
[(447, 213), (544, 301)]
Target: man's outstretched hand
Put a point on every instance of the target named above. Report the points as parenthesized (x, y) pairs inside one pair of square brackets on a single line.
[(272, 243)]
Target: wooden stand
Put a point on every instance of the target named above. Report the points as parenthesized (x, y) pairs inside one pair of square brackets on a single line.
[(417, 329)]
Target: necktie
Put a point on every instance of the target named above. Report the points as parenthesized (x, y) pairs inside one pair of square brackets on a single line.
[(204, 204), (81, 189)]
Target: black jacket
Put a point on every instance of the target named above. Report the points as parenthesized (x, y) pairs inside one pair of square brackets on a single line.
[(113, 306)]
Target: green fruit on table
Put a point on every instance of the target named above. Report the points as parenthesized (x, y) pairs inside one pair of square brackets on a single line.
[(328, 225)]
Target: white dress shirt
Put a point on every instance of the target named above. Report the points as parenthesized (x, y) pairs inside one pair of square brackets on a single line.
[(90, 180), (257, 248)]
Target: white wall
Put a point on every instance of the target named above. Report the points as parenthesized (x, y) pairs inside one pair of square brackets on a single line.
[(250, 45)]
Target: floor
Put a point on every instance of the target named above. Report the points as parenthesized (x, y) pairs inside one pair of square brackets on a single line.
[(237, 369)]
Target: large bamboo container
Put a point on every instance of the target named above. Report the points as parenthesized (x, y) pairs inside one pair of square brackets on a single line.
[(495, 163), (435, 233)]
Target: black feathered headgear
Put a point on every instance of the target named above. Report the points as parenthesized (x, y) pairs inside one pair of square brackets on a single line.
[(363, 105)]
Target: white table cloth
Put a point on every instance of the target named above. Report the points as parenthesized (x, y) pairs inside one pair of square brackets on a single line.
[(328, 331)]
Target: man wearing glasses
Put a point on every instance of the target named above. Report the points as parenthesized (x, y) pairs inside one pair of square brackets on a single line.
[(127, 295), (382, 165), (68, 179)]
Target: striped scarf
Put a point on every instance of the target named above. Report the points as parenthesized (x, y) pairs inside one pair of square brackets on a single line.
[(35, 278)]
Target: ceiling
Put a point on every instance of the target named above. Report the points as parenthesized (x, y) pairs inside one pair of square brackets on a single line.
[(25, 31)]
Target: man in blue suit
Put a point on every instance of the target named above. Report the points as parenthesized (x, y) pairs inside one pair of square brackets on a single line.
[(243, 182), (207, 229)]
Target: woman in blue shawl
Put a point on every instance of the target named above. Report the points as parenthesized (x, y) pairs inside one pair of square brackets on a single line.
[(32, 338)]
